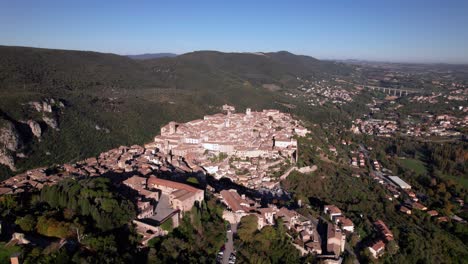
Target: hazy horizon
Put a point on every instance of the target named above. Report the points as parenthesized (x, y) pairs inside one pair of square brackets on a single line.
[(397, 31), (252, 52)]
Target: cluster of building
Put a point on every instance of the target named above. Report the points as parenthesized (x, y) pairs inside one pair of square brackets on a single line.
[(458, 95), (393, 184), (144, 160), (33, 179), (377, 127), (259, 142), (336, 231), (322, 91), (157, 199), (239, 206), (454, 95), (376, 165), (308, 239), (431, 99), (429, 125), (440, 125), (398, 188), (245, 147), (362, 162)]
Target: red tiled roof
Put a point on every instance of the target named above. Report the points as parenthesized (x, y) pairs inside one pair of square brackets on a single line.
[(433, 213), (345, 221), (378, 245), (233, 200), (419, 206), (286, 212), (384, 229), (333, 209), (171, 184)]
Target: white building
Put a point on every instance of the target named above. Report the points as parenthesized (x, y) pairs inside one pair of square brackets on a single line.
[(399, 182)]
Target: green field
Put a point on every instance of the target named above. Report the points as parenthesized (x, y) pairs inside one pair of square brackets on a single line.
[(413, 164), (463, 181)]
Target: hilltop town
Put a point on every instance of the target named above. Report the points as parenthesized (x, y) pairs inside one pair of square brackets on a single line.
[(240, 147), (247, 148)]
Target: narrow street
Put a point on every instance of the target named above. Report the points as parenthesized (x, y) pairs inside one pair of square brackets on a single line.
[(229, 246)]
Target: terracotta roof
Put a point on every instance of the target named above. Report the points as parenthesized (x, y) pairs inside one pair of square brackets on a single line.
[(4, 190), (382, 227), (333, 233), (135, 180), (171, 184), (378, 245), (404, 209), (443, 219), (419, 206), (333, 209), (181, 195), (433, 213), (233, 200), (314, 245), (286, 212), (344, 221)]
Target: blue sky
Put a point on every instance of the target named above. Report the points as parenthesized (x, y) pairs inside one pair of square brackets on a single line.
[(391, 30)]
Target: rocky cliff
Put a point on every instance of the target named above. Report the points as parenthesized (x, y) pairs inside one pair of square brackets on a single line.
[(17, 135)]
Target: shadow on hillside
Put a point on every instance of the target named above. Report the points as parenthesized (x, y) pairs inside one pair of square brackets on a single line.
[(263, 196)]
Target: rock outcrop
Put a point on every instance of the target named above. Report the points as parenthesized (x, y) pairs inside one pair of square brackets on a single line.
[(9, 137), (51, 122), (35, 128), (47, 105), (6, 159)]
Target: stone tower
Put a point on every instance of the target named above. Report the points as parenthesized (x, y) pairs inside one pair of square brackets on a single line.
[(172, 127)]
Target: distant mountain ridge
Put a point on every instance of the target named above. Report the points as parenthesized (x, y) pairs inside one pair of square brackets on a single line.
[(147, 56), (50, 68)]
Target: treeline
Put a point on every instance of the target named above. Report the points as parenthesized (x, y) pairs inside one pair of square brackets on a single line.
[(93, 198), (449, 158)]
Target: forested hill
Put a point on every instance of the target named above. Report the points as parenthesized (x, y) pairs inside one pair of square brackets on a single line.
[(281, 68), (96, 101), (48, 68), (148, 56), (45, 69)]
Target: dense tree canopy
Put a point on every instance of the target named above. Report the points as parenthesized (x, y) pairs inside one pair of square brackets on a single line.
[(269, 245), (96, 199)]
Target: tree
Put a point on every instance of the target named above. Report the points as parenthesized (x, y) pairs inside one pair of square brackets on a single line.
[(247, 228), (193, 181), (392, 247), (268, 245), (26, 223)]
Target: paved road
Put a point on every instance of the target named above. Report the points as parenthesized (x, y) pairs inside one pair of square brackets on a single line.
[(229, 246)]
